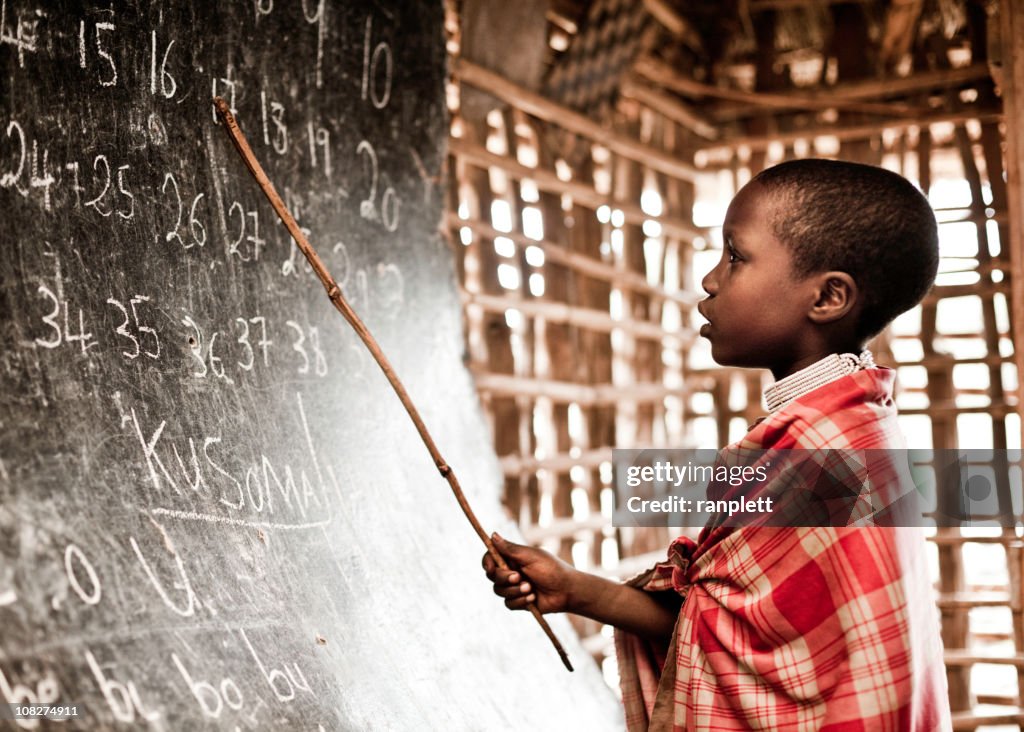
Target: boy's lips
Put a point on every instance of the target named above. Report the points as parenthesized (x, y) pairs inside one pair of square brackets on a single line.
[(706, 327)]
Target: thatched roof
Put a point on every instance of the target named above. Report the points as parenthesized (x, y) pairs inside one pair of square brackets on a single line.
[(713, 61)]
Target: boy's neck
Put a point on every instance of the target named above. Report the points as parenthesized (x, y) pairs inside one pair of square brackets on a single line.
[(781, 372), (824, 371), (820, 346)]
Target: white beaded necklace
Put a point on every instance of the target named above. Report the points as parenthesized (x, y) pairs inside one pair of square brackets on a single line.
[(832, 367)]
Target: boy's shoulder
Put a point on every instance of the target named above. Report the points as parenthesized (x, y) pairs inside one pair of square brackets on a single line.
[(856, 411)]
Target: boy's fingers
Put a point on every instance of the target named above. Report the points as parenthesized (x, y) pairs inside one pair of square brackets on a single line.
[(492, 569), (520, 603), (509, 590), (505, 580)]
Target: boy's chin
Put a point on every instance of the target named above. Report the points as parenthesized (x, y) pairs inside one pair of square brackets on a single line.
[(720, 352), (726, 357)]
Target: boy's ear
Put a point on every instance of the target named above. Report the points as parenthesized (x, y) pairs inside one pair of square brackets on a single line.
[(836, 296)]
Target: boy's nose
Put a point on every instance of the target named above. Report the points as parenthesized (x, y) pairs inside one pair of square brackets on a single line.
[(710, 282)]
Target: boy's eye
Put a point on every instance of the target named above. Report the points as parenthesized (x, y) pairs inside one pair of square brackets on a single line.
[(733, 254)]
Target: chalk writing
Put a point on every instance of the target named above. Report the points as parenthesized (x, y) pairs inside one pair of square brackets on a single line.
[(319, 362), (190, 603), (318, 17), (285, 682), (246, 246), (24, 36), (263, 343), (91, 593), (318, 136), (61, 333), (98, 203), (167, 86), (276, 118), (99, 31), (226, 88), (211, 700), (388, 212), (10, 178), (45, 691), (180, 486), (153, 340), (122, 698), (260, 486), (379, 60)]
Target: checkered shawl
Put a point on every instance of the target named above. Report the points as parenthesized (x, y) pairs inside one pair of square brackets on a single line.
[(796, 628)]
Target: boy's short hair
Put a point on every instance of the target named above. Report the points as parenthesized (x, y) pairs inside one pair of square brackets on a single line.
[(860, 219)]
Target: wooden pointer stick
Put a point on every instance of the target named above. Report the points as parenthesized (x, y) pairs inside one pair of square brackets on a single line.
[(334, 293)]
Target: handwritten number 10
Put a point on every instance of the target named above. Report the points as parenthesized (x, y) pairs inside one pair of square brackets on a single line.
[(372, 61)]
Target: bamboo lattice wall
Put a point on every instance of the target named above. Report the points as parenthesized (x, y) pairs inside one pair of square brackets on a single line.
[(580, 265)]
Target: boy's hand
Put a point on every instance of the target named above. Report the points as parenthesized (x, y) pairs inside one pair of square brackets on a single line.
[(534, 575)]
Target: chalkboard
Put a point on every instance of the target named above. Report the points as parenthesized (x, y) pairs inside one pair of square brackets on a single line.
[(213, 511)]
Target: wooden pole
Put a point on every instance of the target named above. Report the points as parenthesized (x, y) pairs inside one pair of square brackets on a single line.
[(667, 106), (676, 24), (490, 336), (537, 106), (874, 89), (586, 395), (581, 263), (581, 192), (848, 132), (339, 301), (664, 75), (1012, 27)]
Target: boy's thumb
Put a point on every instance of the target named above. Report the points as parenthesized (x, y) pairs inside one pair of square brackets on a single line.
[(506, 548)]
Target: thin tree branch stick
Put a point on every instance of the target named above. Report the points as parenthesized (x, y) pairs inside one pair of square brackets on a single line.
[(339, 301)]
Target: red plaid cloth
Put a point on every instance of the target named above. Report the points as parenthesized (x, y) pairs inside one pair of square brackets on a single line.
[(797, 628)]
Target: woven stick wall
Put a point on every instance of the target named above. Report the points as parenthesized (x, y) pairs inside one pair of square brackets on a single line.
[(577, 253)]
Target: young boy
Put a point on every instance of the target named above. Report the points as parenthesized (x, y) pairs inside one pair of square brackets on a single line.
[(786, 628)]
